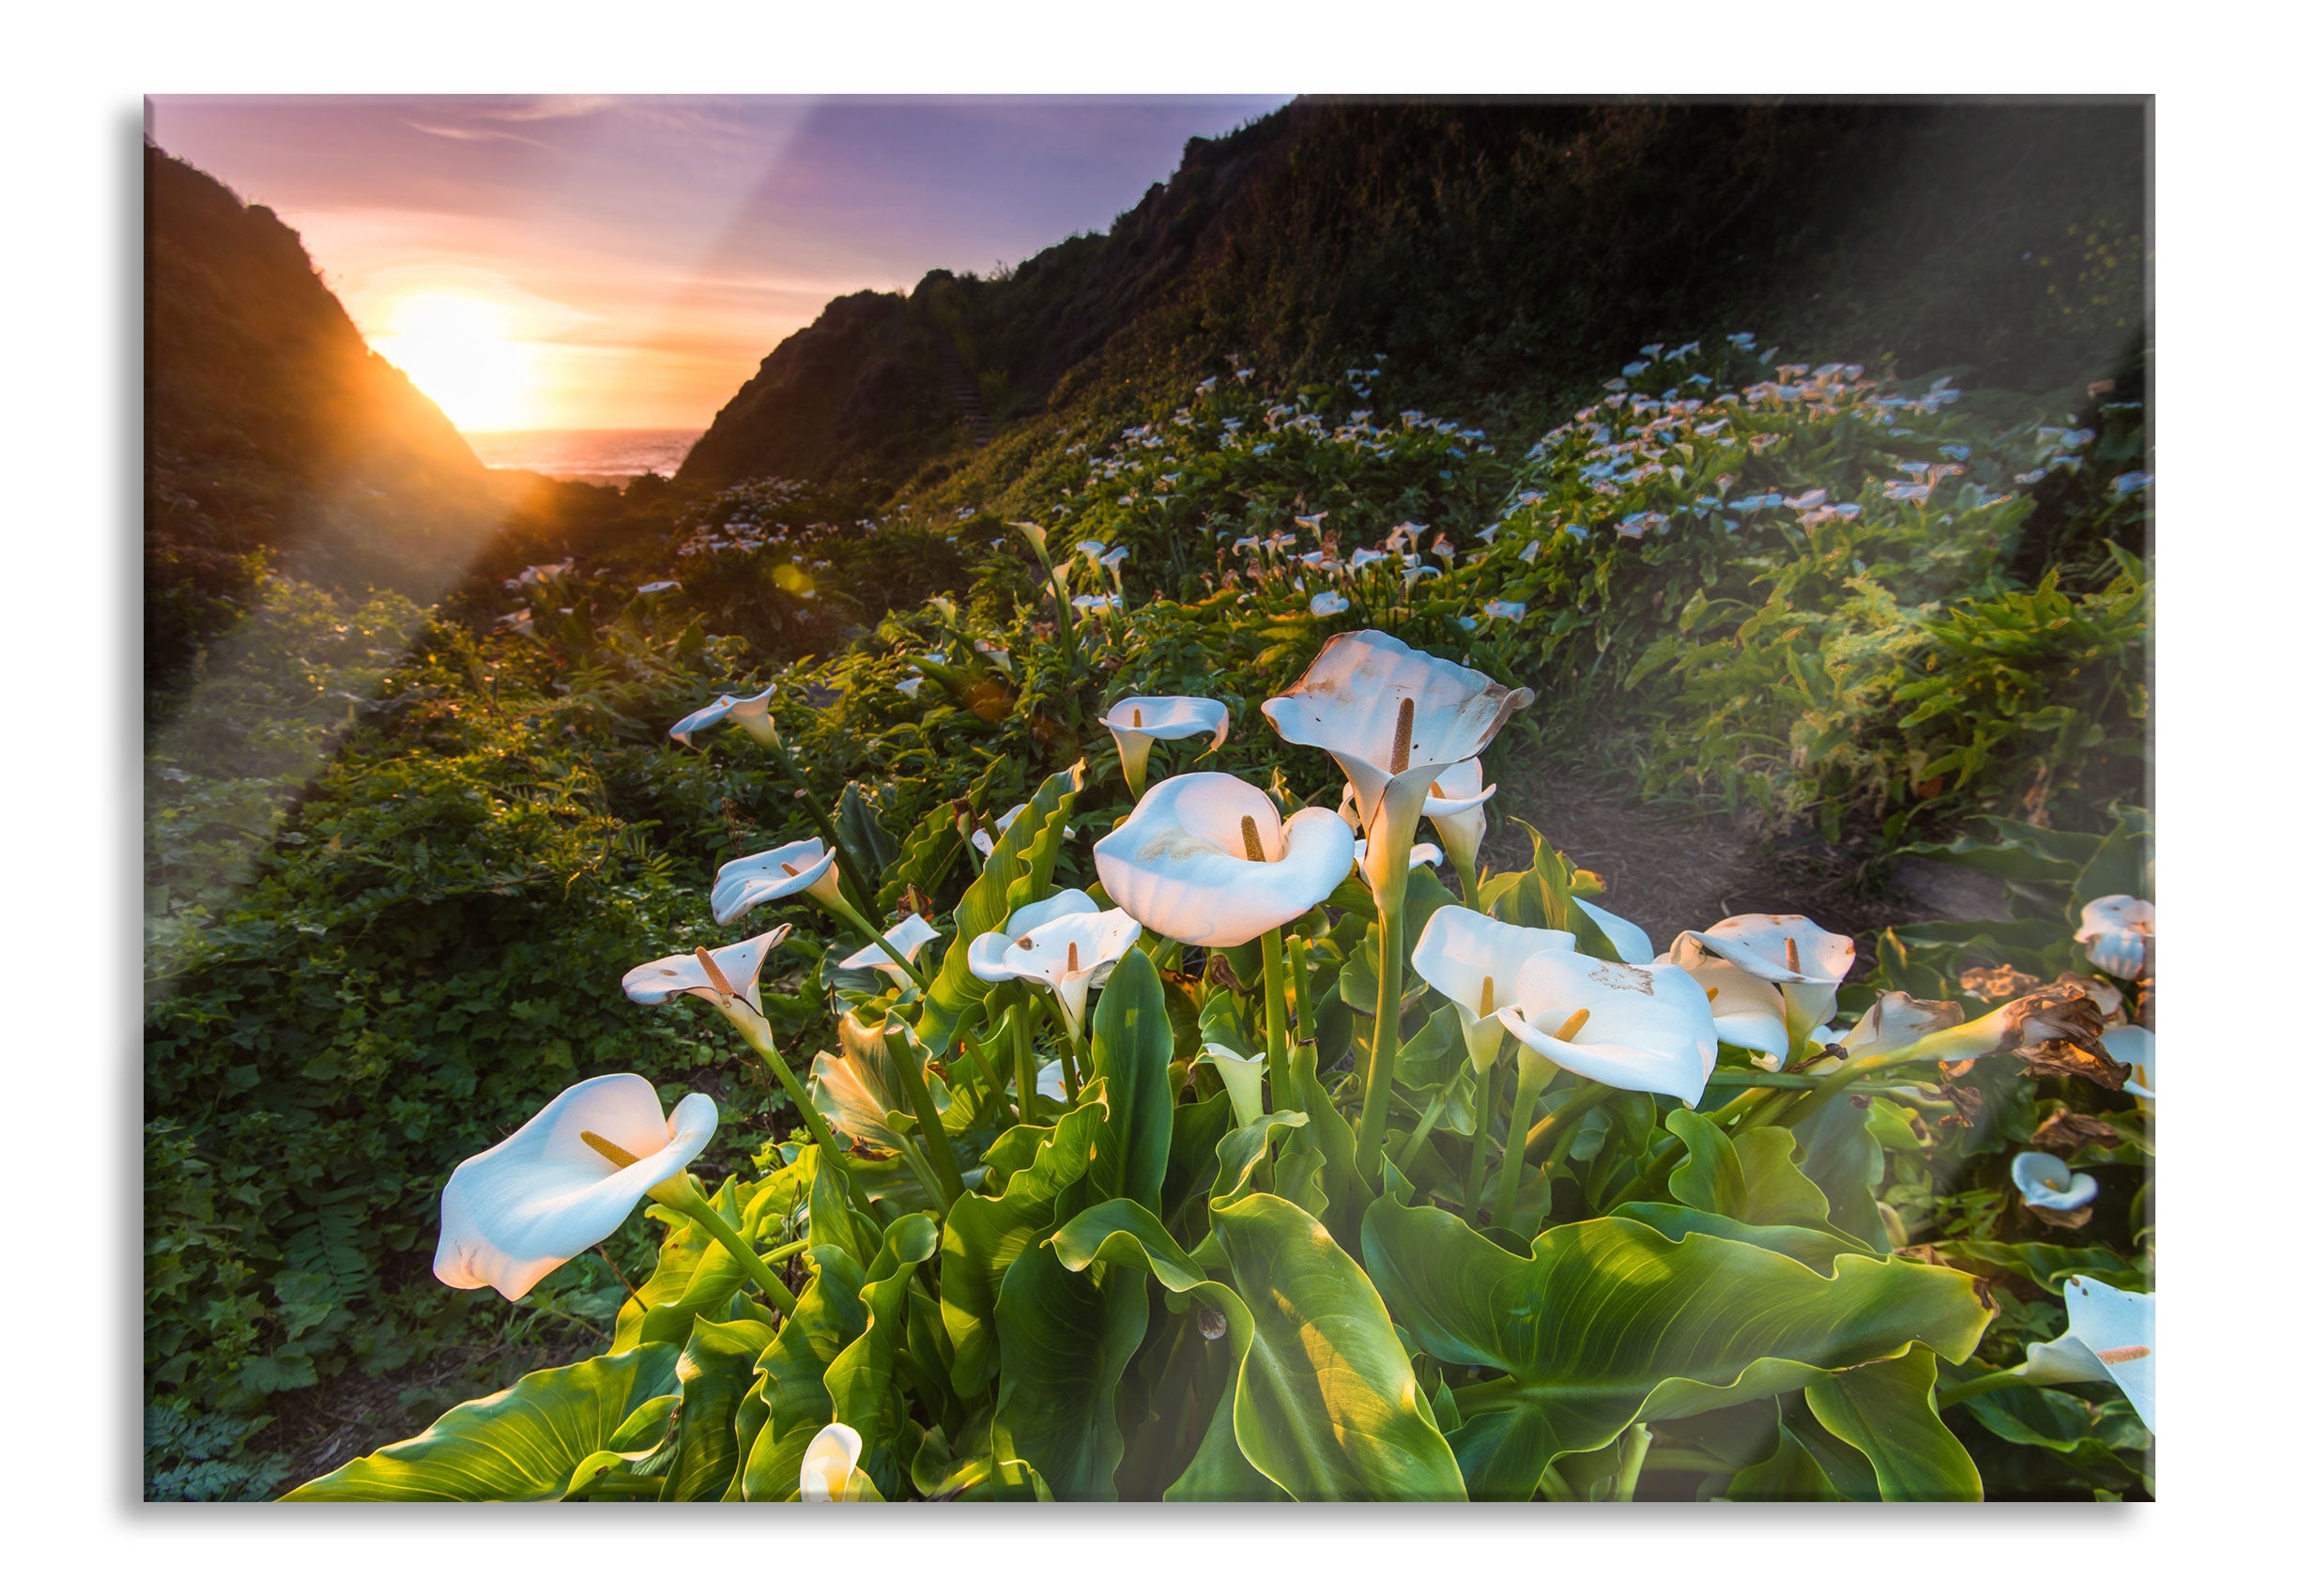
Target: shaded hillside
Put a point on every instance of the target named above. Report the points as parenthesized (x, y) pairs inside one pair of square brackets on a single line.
[(1493, 254), (274, 436)]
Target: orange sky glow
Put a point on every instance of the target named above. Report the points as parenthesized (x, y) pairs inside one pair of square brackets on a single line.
[(564, 262)]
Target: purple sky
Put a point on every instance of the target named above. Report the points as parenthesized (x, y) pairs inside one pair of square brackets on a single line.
[(579, 261)]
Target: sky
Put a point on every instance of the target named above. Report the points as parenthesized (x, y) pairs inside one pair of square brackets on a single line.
[(560, 262)]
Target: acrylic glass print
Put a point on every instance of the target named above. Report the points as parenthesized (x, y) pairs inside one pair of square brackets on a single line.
[(1462, 812)]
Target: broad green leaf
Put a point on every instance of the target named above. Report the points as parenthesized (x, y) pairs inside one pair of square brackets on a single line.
[(523, 1445), (2042, 1264), (1748, 1178), (1610, 1321), (715, 1372), (1843, 1158), (861, 1380), (829, 1315), (1886, 1411), (1218, 1472), (1816, 1248), (984, 1235), (1243, 1149), (1132, 1047), (1064, 1341), (1327, 1401)]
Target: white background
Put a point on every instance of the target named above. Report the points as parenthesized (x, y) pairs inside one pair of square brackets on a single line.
[(71, 1474)]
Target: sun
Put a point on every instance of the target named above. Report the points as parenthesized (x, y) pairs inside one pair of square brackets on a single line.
[(460, 352)]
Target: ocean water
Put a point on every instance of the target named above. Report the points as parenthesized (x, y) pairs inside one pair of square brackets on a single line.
[(615, 455)]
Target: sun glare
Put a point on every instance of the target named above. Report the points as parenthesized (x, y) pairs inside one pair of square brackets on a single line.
[(459, 351)]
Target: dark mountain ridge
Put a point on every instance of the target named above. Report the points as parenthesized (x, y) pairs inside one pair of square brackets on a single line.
[(1487, 256)]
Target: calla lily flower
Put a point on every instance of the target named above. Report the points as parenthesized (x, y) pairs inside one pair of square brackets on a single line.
[(563, 1181), (749, 714), (2046, 1182), (720, 977), (1640, 1027), (1068, 952), (1395, 719), (744, 883), (1749, 1013), (1475, 959), (987, 845), (1456, 807), (2118, 1329), (2134, 1045), (832, 1470), (1894, 1024), (2055, 1028), (1325, 605), (1136, 723), (1628, 938), (2119, 934), (908, 938), (1242, 1076), (1205, 859), (1806, 962)]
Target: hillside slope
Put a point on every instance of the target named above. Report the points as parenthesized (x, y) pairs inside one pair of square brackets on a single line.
[(1495, 252), (272, 432)]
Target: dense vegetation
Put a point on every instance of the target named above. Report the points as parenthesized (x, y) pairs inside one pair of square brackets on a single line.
[(1858, 603)]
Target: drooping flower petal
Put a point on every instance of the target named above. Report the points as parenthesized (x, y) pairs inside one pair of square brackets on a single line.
[(2118, 934), (1456, 807), (512, 1214), (1895, 1024), (1136, 723), (2118, 1327), (2046, 1182), (1474, 960), (908, 938), (1640, 1027), (1748, 1012), (1205, 859), (740, 963), (744, 883)]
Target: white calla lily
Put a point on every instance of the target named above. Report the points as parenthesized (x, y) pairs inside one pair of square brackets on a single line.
[(986, 844), (1629, 939), (1136, 723), (1242, 1077), (1456, 808), (2118, 1329), (2046, 1182), (1806, 962), (1068, 954), (1326, 604), (832, 1470), (1395, 719), (908, 938), (1205, 859), (749, 714), (717, 976), (1474, 960), (563, 1181), (2118, 934), (2134, 1045), (1638, 1027), (744, 883), (1748, 1012)]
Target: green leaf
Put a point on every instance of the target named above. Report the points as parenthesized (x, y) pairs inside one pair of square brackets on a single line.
[(1818, 1249), (523, 1445), (1064, 1341), (1610, 1321), (2042, 1264), (1327, 1401), (865, 840), (829, 1315), (982, 1236), (1748, 1178), (1017, 872), (1132, 1046), (1886, 1411), (861, 1380), (1218, 1471), (1243, 1149), (1843, 1158), (716, 1373)]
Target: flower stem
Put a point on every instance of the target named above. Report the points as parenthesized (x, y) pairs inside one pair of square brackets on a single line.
[(1980, 1385), (1553, 1129), (1374, 1114), (698, 1207), (1274, 1016), (1025, 1074), (1632, 1464), (800, 1099), (1473, 1177), (1513, 1144), (939, 1154), (1071, 1083)]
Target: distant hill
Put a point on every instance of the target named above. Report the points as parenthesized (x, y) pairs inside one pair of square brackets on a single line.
[(1488, 253), (272, 432)]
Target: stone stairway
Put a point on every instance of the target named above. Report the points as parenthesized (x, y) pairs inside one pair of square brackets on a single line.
[(964, 394)]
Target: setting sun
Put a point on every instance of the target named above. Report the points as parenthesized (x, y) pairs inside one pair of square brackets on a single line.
[(458, 350)]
